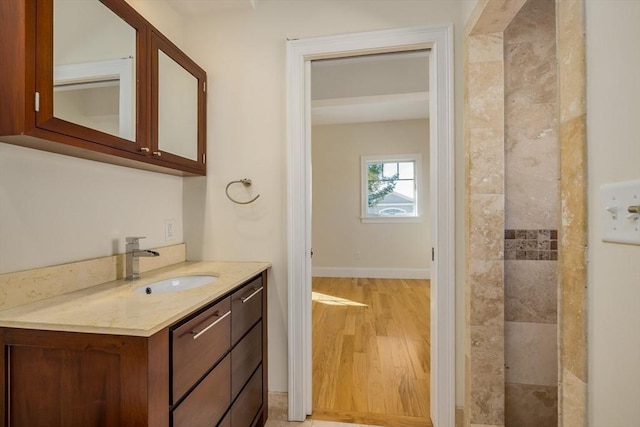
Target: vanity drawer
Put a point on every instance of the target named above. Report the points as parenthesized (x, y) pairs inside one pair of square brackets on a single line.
[(197, 345), (246, 308), (246, 407), (245, 358), (208, 402)]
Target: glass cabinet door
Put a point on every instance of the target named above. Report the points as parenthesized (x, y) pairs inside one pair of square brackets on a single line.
[(88, 88), (178, 104)]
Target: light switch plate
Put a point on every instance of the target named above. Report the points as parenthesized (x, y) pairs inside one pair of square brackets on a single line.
[(621, 219)]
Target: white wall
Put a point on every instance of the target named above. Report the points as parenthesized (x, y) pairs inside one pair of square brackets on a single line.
[(613, 138), (244, 54), (337, 231), (56, 209)]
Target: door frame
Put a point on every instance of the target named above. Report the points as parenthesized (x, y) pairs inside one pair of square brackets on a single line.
[(300, 53)]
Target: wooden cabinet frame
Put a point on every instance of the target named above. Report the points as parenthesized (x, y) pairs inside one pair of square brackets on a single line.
[(26, 85), (158, 42)]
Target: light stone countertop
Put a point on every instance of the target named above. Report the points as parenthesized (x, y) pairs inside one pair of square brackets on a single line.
[(113, 307)]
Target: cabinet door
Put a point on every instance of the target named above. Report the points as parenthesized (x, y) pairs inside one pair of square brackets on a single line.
[(178, 106), (90, 58), (51, 378)]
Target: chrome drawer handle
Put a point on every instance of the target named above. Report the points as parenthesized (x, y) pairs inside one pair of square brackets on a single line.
[(252, 295), (197, 334)]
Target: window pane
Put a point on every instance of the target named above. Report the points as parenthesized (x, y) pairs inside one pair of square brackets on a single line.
[(390, 170), (406, 188), (391, 188), (406, 170)]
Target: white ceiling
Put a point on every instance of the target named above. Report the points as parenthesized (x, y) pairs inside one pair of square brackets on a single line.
[(375, 108), (370, 88)]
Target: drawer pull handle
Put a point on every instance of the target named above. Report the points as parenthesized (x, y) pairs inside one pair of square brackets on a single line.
[(197, 334), (252, 295)]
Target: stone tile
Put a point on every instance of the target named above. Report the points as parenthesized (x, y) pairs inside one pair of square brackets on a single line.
[(485, 91), (530, 123), (459, 417), (530, 72), (573, 240), (487, 293), (486, 48), (531, 291), (486, 227), (531, 184), (571, 66), (531, 353), (486, 366), (486, 161), (573, 400), (278, 406), (535, 21), (529, 405), (493, 16)]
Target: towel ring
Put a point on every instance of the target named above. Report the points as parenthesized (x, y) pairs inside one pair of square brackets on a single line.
[(247, 183)]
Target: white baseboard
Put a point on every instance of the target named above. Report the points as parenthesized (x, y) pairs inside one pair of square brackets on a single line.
[(372, 273)]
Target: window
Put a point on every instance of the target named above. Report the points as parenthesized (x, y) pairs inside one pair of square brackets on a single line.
[(391, 188)]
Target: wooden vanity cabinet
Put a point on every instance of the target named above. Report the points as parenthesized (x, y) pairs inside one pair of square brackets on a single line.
[(52, 378), (28, 89)]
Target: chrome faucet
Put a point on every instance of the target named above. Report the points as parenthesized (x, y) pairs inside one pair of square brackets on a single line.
[(133, 253)]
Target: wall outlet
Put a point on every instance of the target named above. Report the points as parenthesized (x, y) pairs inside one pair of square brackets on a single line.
[(356, 255), (169, 229)]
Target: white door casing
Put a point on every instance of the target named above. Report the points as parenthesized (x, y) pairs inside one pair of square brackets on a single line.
[(300, 53)]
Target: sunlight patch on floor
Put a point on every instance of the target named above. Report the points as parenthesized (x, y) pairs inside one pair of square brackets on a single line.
[(333, 300)]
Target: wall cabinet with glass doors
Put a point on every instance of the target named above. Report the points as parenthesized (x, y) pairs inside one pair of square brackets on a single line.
[(94, 79)]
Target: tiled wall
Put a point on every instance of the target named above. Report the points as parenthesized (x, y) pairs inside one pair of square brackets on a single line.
[(542, 132), (531, 216), (520, 136)]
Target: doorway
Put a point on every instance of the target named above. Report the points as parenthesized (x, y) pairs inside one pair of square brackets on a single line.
[(370, 233), (300, 53)]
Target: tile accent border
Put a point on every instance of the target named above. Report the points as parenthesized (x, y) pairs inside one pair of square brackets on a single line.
[(532, 245)]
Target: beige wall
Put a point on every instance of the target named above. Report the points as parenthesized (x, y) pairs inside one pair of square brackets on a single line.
[(337, 231), (244, 54), (56, 209), (613, 140)]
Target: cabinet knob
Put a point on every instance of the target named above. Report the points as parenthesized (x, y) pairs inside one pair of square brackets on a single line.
[(144, 149), (157, 153)]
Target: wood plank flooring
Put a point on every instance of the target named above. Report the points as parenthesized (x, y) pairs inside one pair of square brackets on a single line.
[(371, 351)]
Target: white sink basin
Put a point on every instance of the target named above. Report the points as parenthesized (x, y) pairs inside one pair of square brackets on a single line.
[(175, 284)]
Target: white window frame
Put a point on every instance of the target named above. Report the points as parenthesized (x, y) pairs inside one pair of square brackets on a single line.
[(365, 218)]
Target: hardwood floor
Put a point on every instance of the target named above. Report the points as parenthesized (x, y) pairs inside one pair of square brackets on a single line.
[(371, 351)]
